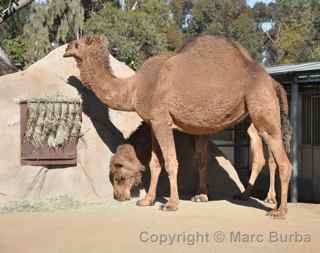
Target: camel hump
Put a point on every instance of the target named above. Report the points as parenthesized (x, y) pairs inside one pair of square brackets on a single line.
[(243, 51), (201, 41), (218, 49), (209, 41)]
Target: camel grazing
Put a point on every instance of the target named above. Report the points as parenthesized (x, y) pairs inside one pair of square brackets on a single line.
[(208, 86), (129, 169)]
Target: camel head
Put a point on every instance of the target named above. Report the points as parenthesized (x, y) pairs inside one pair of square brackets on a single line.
[(86, 48), (125, 172)]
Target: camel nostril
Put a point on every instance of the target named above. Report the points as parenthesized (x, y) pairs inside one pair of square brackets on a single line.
[(119, 197)]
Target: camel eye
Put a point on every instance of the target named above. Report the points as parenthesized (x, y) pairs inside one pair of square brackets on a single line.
[(118, 165), (76, 45), (120, 179)]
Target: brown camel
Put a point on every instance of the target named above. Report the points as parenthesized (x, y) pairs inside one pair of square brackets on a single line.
[(126, 165), (223, 88), (129, 166)]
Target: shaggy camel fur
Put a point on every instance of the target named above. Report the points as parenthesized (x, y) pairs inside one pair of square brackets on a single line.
[(223, 88)]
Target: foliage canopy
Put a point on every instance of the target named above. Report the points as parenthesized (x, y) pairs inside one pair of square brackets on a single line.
[(280, 32)]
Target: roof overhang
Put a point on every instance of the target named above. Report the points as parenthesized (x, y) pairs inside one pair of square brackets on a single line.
[(303, 73)]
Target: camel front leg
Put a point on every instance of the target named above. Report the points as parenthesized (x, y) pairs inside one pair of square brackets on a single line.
[(155, 169), (201, 163), (164, 135)]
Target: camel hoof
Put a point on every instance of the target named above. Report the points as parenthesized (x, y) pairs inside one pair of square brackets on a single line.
[(277, 214), (241, 196), (200, 198), (271, 200), (145, 202), (169, 206)]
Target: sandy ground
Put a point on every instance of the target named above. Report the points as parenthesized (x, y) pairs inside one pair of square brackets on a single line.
[(217, 226)]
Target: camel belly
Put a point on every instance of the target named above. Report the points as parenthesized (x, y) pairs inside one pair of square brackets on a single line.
[(207, 117)]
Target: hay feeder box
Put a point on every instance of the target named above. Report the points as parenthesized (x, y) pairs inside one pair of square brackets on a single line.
[(49, 131)]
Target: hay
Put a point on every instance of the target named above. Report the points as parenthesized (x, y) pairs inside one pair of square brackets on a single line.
[(53, 121)]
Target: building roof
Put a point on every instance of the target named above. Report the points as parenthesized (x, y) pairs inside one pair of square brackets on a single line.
[(292, 68)]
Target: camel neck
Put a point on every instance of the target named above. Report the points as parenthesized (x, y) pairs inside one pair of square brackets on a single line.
[(117, 94)]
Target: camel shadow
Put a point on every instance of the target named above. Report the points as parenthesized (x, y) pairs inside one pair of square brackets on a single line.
[(99, 115), (224, 182)]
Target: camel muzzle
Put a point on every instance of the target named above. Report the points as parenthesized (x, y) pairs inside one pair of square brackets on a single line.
[(66, 54)]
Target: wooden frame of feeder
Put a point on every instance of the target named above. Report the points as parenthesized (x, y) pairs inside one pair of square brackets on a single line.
[(44, 155)]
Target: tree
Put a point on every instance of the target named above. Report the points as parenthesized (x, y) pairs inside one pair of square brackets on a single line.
[(51, 24), (5, 64), (293, 36), (233, 19), (137, 34), (244, 30), (262, 12), (12, 7), (181, 10), (12, 19)]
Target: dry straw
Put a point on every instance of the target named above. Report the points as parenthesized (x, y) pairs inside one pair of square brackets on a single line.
[(53, 121)]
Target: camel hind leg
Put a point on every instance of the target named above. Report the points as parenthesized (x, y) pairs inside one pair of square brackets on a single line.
[(271, 196), (263, 107), (257, 161), (285, 170), (257, 164)]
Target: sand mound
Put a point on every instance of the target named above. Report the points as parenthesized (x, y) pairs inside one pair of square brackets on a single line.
[(102, 131)]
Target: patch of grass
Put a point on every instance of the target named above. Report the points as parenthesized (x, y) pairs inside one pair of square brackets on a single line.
[(58, 203)]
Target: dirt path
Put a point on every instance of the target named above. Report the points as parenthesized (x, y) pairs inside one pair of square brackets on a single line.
[(218, 226)]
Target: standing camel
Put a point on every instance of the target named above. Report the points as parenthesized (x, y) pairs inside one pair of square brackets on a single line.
[(223, 88), (126, 163)]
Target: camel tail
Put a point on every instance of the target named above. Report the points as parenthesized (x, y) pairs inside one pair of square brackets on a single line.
[(286, 127)]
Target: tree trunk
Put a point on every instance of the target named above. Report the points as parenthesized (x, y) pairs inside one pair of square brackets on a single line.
[(5, 65), (122, 4), (12, 9)]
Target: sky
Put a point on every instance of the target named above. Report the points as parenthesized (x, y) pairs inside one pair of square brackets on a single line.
[(252, 2)]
